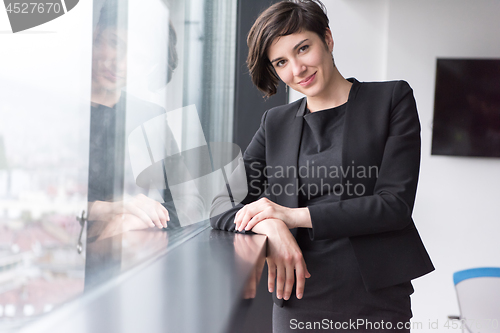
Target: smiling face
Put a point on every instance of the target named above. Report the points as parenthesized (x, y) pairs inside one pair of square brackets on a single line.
[(304, 62), (109, 59)]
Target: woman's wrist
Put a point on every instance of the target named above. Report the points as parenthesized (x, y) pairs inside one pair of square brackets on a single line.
[(298, 218), (99, 209), (268, 227)]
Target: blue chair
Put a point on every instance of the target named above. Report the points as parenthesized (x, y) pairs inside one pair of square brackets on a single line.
[(478, 293)]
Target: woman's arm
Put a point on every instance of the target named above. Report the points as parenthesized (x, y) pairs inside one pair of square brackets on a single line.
[(284, 257), (223, 209)]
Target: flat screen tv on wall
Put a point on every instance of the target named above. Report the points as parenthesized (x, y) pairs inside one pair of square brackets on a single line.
[(467, 108)]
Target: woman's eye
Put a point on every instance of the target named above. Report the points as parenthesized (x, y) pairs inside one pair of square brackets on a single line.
[(280, 63), (303, 48)]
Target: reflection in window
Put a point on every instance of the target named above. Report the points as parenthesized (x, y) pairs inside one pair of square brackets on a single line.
[(159, 75)]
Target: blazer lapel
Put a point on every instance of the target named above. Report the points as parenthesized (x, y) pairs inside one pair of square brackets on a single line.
[(284, 186), (351, 137)]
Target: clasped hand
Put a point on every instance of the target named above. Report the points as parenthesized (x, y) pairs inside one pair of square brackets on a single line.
[(284, 257), (248, 216)]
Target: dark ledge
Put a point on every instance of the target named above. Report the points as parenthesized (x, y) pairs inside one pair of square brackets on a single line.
[(197, 286)]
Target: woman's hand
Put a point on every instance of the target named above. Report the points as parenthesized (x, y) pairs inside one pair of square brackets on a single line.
[(284, 259), (255, 212), (149, 211)]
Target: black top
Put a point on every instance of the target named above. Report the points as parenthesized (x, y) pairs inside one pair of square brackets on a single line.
[(109, 163), (320, 158), (106, 152), (320, 155), (319, 162)]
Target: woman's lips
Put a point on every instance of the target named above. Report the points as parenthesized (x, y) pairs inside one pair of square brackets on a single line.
[(110, 75), (307, 80)]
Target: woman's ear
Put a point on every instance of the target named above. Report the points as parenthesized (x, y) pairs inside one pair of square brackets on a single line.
[(329, 39)]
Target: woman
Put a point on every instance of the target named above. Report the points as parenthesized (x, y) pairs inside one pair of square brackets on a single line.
[(331, 182), (113, 115), (116, 203)]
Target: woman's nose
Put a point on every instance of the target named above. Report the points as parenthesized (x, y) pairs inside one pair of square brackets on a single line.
[(298, 68)]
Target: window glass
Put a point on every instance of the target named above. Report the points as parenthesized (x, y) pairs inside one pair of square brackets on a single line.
[(110, 121)]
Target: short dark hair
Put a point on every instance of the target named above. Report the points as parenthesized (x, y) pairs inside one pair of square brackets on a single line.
[(281, 19)]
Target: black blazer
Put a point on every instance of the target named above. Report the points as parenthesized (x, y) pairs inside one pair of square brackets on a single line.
[(381, 131)]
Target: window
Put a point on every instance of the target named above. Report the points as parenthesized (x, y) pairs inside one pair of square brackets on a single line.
[(105, 112)]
